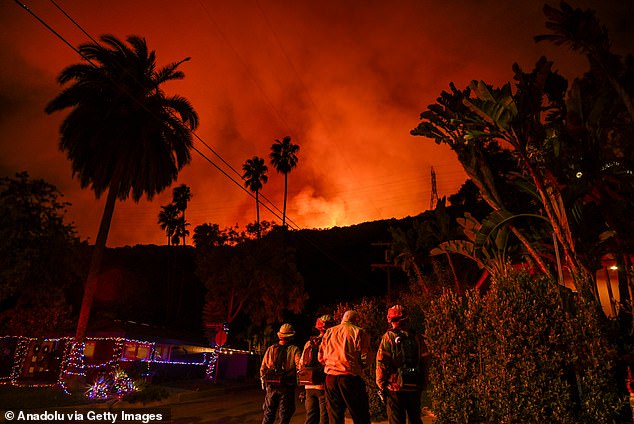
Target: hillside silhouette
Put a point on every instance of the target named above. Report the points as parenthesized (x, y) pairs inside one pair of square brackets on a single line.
[(155, 289)]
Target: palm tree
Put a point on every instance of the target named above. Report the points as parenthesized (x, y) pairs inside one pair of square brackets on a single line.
[(123, 135), (168, 220), (255, 177), (180, 196), (180, 231), (284, 159)]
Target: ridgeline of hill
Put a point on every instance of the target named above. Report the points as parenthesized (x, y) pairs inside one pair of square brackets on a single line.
[(157, 286)]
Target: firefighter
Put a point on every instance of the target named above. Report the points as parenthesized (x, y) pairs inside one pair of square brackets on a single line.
[(278, 374), (311, 374), (400, 369), (344, 351)]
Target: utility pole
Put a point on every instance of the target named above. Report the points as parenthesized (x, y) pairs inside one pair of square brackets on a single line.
[(387, 267), (434, 192)]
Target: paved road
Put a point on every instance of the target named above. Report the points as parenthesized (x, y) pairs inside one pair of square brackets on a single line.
[(242, 406)]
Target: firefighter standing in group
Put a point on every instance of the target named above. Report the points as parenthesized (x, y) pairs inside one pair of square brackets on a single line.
[(400, 371), (313, 372), (345, 351), (278, 374)]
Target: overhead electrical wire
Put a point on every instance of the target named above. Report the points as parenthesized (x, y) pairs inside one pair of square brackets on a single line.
[(262, 195), (304, 236), (63, 39), (266, 98), (335, 260), (308, 93), (73, 21)]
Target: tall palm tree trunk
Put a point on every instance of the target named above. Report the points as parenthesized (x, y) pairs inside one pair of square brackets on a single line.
[(94, 271), (184, 235), (257, 211), (285, 194)]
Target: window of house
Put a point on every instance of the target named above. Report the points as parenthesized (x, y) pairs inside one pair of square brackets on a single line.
[(162, 353), (134, 351), (89, 349)]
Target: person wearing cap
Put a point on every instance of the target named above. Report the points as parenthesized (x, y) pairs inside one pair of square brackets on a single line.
[(281, 361), (315, 398), (344, 351), (399, 369)]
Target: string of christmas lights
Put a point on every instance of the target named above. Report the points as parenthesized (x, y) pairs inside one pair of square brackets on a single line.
[(210, 371), (74, 363)]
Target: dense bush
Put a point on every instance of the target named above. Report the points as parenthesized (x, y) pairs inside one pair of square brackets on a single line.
[(516, 355), (452, 338), (599, 395), (527, 364)]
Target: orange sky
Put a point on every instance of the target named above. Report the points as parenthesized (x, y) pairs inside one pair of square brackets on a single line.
[(345, 79)]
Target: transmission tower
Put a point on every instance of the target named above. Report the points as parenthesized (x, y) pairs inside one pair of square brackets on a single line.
[(434, 193)]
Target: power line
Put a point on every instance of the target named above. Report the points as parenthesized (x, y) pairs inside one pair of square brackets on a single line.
[(73, 21), (266, 98), (25, 7), (304, 236), (237, 173), (307, 91), (58, 35), (334, 260), (236, 182)]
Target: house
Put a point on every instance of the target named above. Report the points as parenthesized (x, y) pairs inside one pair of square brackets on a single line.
[(135, 348)]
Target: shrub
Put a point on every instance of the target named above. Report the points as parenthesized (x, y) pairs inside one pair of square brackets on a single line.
[(517, 355), (595, 367), (452, 339), (527, 366)]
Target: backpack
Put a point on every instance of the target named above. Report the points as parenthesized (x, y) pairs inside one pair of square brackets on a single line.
[(409, 373), (278, 375), (311, 372)]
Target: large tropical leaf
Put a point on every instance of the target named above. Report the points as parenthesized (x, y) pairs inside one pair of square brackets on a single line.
[(496, 108), (461, 247)]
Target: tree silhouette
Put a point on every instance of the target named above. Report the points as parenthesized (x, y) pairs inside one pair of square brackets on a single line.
[(284, 159), (601, 114), (41, 258), (255, 177), (181, 195), (209, 235), (582, 31), (168, 220), (472, 119), (123, 135), (257, 278), (180, 231)]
